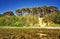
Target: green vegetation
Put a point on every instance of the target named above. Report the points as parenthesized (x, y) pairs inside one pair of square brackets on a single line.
[(53, 17), (55, 25), (21, 21), (30, 17), (57, 19)]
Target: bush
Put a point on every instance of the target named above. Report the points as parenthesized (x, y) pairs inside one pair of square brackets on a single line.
[(57, 19), (53, 17), (2, 20), (28, 20)]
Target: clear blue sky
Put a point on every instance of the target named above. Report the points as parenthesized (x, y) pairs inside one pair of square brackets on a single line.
[(12, 5)]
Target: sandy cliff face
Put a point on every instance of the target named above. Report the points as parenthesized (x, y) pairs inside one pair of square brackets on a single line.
[(41, 23)]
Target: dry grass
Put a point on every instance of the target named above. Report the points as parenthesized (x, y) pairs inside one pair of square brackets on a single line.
[(29, 33)]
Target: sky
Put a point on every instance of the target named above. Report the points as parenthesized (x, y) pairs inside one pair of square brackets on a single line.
[(13, 5)]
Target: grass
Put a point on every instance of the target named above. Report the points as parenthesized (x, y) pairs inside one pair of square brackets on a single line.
[(30, 33), (52, 26), (55, 25), (33, 27)]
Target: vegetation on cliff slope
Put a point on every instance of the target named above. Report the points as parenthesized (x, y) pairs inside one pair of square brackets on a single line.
[(30, 16)]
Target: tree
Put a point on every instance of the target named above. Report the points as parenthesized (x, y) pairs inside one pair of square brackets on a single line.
[(34, 11), (19, 12), (45, 10), (53, 17), (9, 13), (25, 11), (57, 19), (53, 9), (39, 11)]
